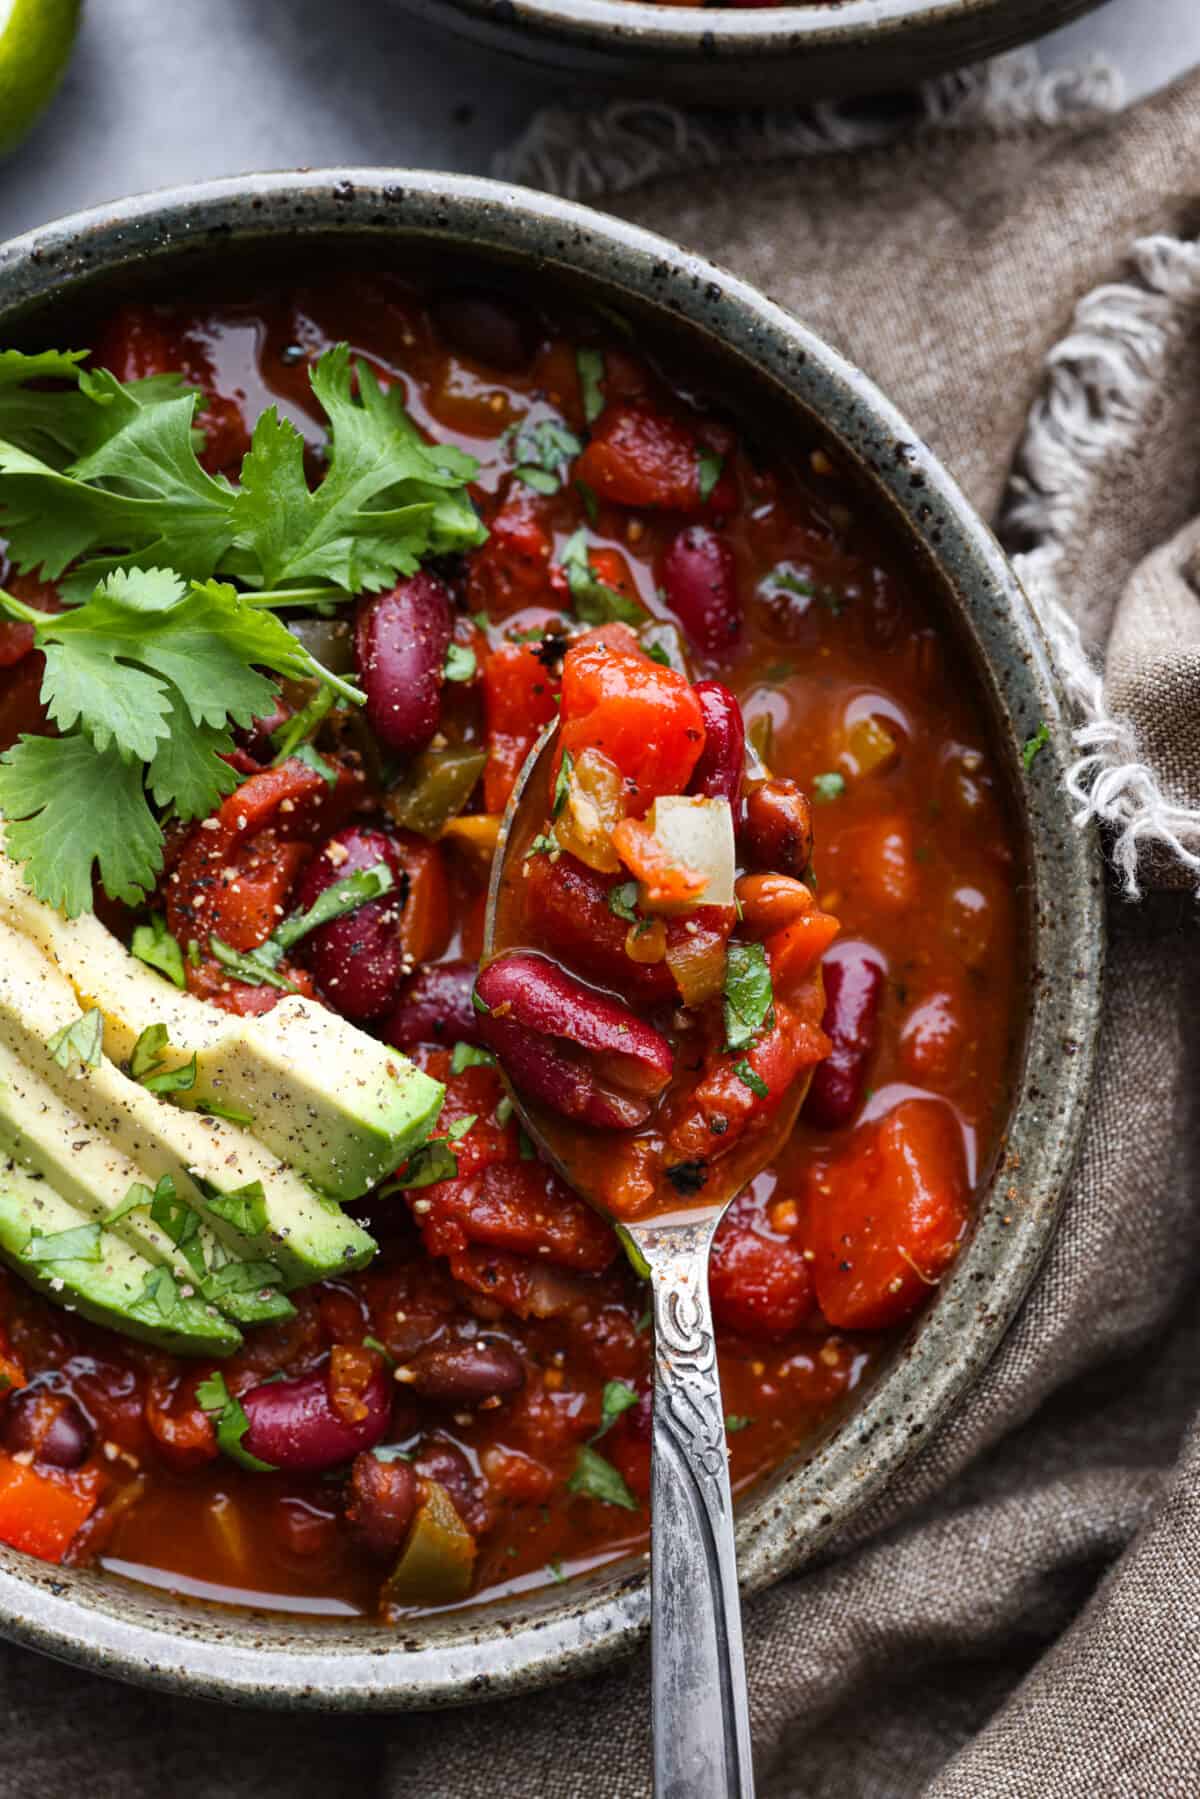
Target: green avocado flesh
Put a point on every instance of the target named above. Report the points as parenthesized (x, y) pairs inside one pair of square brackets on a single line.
[(109, 1285), (339, 1108), (233, 1228)]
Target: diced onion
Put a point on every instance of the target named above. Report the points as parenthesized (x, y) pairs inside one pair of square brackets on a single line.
[(698, 833)]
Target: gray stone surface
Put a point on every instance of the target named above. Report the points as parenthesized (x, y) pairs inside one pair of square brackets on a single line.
[(163, 91)]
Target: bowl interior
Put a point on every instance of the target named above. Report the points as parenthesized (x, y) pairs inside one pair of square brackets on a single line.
[(766, 369)]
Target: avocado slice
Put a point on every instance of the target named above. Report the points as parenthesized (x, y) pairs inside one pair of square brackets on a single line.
[(342, 1109), (110, 1290), (252, 1206)]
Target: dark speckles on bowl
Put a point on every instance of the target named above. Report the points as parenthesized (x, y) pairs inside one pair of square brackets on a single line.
[(749, 343), (737, 56)]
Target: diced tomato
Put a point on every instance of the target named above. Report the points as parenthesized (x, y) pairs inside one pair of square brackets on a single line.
[(518, 1207), (474, 1094), (794, 951), (427, 916), (644, 717), (516, 1477), (760, 1285), (513, 568), (611, 567), (876, 861), (725, 1103), (235, 870), (885, 1221), (640, 457), (142, 340), (40, 1512), (519, 700)]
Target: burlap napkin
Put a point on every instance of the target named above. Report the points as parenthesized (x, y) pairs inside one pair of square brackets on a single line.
[(1020, 1613)]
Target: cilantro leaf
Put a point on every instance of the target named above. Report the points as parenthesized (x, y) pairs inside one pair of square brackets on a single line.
[(172, 1080), (160, 1301), (596, 1478), (592, 599), (616, 1398), (80, 1041), (708, 473), (1034, 745), (68, 807), (735, 1421), (622, 900), (467, 1056), (176, 1218), (590, 365), (460, 663), (828, 787), (541, 451), (82, 1244), (153, 944), (140, 1195), (254, 966), (387, 498), (633, 1252), (749, 999), (338, 899), (147, 1051), (241, 1277), (750, 1077), (216, 1108), (434, 1161), (562, 784), (214, 1397)]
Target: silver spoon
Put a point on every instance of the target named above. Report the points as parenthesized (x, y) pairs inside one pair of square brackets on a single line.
[(701, 1716)]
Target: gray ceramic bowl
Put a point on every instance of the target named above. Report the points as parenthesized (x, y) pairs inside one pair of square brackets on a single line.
[(731, 57), (751, 348)]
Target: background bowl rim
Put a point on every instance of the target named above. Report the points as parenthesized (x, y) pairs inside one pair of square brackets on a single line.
[(113, 1628)]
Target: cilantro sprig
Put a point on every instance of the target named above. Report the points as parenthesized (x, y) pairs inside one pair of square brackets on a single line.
[(229, 1416)]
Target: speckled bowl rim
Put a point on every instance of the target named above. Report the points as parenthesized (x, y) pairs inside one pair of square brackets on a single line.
[(711, 35), (117, 1628)]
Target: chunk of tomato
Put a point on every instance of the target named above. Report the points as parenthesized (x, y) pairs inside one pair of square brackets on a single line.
[(638, 456), (644, 717), (519, 700), (884, 1222), (760, 1285)]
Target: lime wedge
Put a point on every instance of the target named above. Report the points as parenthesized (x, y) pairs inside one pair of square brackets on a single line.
[(36, 37)]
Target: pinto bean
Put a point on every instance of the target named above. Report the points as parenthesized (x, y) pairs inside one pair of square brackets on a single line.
[(294, 1426), (699, 578), (575, 1050), (777, 832), (435, 1007), (357, 961), (854, 981), (466, 1372), (381, 1502), (48, 1424), (718, 774), (441, 1461), (500, 332), (401, 639)]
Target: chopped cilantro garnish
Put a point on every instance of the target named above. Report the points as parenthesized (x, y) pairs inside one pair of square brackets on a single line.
[(460, 663), (297, 731), (749, 1077), (829, 787), (259, 967), (708, 473), (480, 1004), (554, 1569), (380, 1349), (749, 1001), (241, 1277), (80, 1041), (543, 845), (591, 504), (504, 1111), (160, 1301), (82, 1244), (458, 1130), (174, 1216), (305, 753), (1035, 745), (467, 1056), (541, 451), (734, 1421), (434, 1161), (217, 1108), (147, 1051), (593, 600), (245, 1208), (622, 899), (596, 1478), (214, 1397), (562, 783), (616, 1398), (657, 654), (590, 364), (172, 1080), (153, 944)]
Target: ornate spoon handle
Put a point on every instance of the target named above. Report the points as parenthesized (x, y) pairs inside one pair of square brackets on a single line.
[(701, 1716)]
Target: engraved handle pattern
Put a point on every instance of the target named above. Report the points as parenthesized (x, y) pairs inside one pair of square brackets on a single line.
[(701, 1716)]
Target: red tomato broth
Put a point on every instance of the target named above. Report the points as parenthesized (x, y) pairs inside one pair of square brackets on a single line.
[(917, 858)]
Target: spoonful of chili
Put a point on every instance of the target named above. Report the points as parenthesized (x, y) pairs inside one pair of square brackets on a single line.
[(651, 987)]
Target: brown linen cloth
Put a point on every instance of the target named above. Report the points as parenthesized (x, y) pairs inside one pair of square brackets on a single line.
[(1020, 1613)]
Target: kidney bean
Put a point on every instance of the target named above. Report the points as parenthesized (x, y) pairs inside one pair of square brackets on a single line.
[(777, 830), (540, 1019), (718, 774), (381, 1503), (699, 577), (357, 961), (854, 980), (50, 1425), (466, 1372), (435, 1007), (401, 639), (500, 332), (442, 1461), (294, 1427)]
